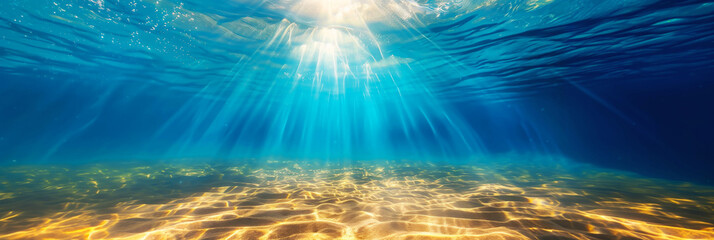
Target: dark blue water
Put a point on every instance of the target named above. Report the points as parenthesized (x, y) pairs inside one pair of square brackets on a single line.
[(619, 84)]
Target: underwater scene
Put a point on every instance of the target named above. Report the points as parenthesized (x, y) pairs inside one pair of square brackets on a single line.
[(357, 119)]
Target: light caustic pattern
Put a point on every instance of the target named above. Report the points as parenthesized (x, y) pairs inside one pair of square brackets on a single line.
[(323, 87), (394, 201)]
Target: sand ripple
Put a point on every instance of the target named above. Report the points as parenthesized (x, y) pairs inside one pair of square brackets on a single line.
[(401, 202)]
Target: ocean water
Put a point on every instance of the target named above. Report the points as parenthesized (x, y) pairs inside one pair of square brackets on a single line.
[(356, 119)]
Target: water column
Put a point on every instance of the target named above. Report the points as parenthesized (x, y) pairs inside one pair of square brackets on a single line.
[(324, 87)]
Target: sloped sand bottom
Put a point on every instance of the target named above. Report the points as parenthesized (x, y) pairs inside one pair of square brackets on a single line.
[(378, 201)]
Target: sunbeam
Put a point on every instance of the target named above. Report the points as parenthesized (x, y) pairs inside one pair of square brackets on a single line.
[(335, 92)]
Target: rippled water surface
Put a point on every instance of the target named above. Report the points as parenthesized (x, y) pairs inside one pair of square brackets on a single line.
[(343, 79), (356, 119)]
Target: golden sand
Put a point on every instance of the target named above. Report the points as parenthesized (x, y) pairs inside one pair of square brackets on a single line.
[(393, 201)]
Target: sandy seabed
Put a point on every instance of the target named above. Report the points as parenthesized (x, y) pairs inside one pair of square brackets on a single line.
[(285, 200)]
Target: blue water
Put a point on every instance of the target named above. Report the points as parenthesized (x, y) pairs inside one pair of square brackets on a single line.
[(356, 119), (618, 84)]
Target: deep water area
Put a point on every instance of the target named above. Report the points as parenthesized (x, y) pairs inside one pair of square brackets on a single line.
[(356, 119)]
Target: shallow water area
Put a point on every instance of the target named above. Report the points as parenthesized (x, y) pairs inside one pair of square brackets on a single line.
[(365, 200)]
